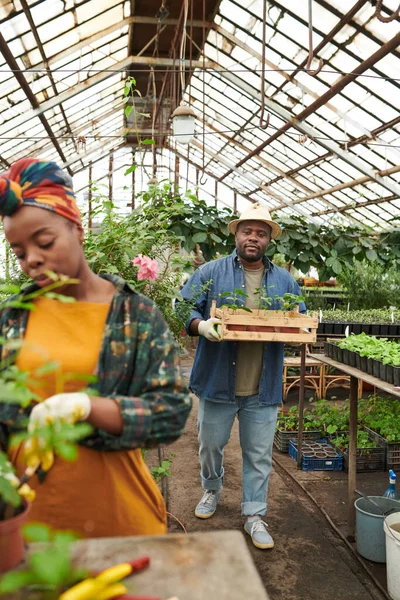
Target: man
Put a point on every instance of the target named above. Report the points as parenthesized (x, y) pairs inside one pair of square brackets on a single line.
[(241, 379)]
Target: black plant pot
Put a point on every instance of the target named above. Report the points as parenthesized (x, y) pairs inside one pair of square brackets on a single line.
[(384, 329), (352, 358), (321, 328), (340, 355), (396, 376), (365, 327), (358, 361), (334, 350), (389, 374), (338, 328), (382, 371), (345, 356), (376, 364), (329, 328), (392, 330), (356, 328), (375, 330), (370, 366), (363, 364)]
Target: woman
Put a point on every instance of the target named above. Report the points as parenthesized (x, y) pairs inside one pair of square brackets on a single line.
[(108, 330)]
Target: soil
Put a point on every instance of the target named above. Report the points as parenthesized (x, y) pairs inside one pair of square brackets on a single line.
[(310, 561)]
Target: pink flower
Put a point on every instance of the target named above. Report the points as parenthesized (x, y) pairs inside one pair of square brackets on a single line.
[(148, 268)]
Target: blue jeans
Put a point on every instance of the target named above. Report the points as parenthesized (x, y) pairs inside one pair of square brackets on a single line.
[(256, 429)]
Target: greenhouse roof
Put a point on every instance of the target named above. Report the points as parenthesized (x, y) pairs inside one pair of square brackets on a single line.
[(327, 143)]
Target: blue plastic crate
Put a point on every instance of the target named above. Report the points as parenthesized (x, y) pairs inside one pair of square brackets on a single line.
[(309, 463)]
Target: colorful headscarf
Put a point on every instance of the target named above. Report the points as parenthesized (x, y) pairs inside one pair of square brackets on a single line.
[(37, 182)]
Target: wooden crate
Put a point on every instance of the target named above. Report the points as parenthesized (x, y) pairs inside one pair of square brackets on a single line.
[(265, 325)]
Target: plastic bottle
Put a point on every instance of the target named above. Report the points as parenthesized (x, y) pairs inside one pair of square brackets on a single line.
[(391, 491)]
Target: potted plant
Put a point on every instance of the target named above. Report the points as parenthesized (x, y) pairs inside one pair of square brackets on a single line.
[(288, 424)]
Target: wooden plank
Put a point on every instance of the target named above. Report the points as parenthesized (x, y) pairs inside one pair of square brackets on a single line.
[(268, 336), (353, 372), (214, 564)]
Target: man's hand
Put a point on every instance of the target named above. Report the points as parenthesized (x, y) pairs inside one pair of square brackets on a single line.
[(209, 329), (66, 407)]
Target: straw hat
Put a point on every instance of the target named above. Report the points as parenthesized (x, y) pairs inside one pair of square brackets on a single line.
[(256, 212)]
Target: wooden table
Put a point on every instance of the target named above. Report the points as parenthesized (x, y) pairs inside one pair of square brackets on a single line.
[(355, 376), (196, 566)]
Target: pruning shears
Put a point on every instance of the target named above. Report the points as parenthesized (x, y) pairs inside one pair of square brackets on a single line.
[(106, 585)]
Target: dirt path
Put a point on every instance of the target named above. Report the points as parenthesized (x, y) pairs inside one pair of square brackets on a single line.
[(309, 561)]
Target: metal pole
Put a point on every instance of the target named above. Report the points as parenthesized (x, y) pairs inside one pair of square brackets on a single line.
[(352, 475), (176, 182), (216, 193), (110, 176), (235, 202), (133, 181), (301, 403), (90, 196)]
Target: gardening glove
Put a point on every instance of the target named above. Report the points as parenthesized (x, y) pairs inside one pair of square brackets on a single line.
[(209, 329), (69, 408)]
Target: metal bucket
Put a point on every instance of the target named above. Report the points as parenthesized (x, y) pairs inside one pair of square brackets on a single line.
[(369, 527)]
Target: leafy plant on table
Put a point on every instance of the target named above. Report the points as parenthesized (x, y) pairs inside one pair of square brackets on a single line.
[(364, 443), (372, 347), (49, 569), (381, 415), (332, 417)]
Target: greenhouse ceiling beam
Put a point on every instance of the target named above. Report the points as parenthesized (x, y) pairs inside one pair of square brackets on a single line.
[(39, 44), (348, 184), (265, 163), (12, 63), (332, 147), (361, 140), (297, 122), (343, 209), (123, 65), (88, 41), (290, 78), (249, 178)]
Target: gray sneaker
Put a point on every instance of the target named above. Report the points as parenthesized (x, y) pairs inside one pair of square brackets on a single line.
[(208, 504), (259, 534)]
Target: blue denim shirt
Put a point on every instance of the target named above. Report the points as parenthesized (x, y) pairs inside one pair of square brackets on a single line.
[(213, 375)]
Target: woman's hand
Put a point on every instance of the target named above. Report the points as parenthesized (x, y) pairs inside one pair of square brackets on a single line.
[(70, 408)]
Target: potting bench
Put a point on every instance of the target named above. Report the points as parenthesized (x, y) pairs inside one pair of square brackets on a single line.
[(215, 564), (356, 376)]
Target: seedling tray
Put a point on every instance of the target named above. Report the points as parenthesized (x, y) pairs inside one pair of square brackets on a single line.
[(265, 325), (391, 449), (316, 463), (367, 459), (282, 438)]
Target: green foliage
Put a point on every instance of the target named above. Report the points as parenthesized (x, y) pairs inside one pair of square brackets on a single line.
[(49, 567), (192, 221), (163, 469), (363, 441), (286, 302), (158, 228), (382, 415), (329, 248), (381, 316), (372, 347), (371, 284)]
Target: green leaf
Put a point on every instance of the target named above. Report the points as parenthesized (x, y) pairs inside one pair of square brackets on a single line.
[(147, 142), (371, 255), (128, 110), (14, 580), (200, 237), (51, 567), (36, 532), (67, 451), (215, 238), (131, 169)]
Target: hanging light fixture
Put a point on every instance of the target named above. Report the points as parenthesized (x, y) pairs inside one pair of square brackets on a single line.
[(183, 117), (183, 121)]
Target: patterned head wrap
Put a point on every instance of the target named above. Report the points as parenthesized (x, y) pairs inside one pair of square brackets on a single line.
[(37, 182)]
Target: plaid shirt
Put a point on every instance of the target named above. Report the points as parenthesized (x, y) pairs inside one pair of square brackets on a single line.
[(138, 367)]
